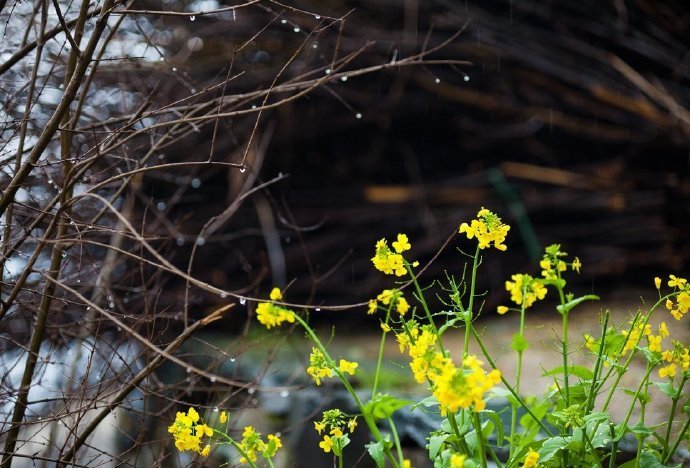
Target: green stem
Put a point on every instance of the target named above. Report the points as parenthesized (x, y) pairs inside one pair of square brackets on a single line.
[(508, 387), (380, 357), (468, 313), (480, 439), (640, 437), (237, 446), (677, 442), (371, 424), (396, 439), (420, 297), (518, 377), (636, 396), (672, 414)]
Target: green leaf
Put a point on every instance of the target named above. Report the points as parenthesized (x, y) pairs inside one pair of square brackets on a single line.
[(578, 371), (519, 343), (382, 406), (376, 450), (551, 446), (498, 424), (666, 388), (567, 307), (435, 444), (648, 459)]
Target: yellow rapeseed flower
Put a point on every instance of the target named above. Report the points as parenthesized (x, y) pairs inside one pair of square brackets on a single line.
[(188, 433), (525, 290), (223, 417), (276, 295), (271, 315), (388, 262), (674, 281), (457, 460), (352, 424), (531, 459), (501, 309), (319, 367), (319, 426), (347, 367), (326, 444), (657, 282), (401, 244), (487, 229), (576, 265)]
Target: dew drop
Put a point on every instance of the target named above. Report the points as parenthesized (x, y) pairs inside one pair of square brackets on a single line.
[(318, 309), (189, 370), (119, 329), (111, 305), (242, 169), (212, 379), (196, 182), (437, 81), (315, 46), (467, 78), (283, 21), (243, 301), (358, 115), (317, 17), (232, 359), (215, 410), (161, 206), (78, 280), (180, 241), (174, 69), (328, 71), (223, 294), (284, 393), (296, 29), (344, 78), (253, 106), (162, 59), (200, 241), (251, 391), (192, 18)]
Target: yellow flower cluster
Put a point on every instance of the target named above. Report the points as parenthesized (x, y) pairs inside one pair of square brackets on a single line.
[(457, 460), (253, 445), (633, 336), (390, 262), (453, 387), (487, 228), (464, 387), (525, 290), (188, 433), (531, 459), (332, 425), (392, 298), (677, 357), (271, 315), (682, 305), (319, 367), (552, 265)]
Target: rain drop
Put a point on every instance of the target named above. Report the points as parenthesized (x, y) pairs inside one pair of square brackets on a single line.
[(78, 280), (232, 359), (212, 379), (251, 391), (358, 115), (174, 69), (162, 59), (192, 18), (467, 78), (437, 81), (64, 254), (223, 294), (215, 410), (314, 46), (317, 17), (296, 29), (196, 182), (200, 241), (180, 241), (328, 71), (344, 78), (253, 106), (318, 309), (161, 206), (243, 301), (284, 393), (119, 329), (242, 169), (189, 370), (283, 21)]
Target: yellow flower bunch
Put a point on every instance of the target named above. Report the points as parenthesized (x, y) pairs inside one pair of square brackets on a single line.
[(682, 305), (390, 298), (271, 315), (390, 262), (487, 229), (465, 387), (420, 343), (531, 459), (333, 423), (457, 460), (525, 290), (253, 445), (633, 336), (552, 265), (677, 357), (319, 367), (188, 433)]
